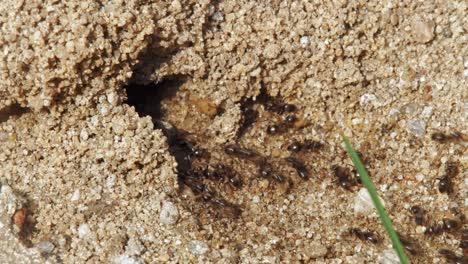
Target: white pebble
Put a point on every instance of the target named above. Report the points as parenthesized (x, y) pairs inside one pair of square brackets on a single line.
[(112, 98), (45, 247), (255, 199), (305, 41), (419, 177), (367, 98), (427, 111), (84, 134), (363, 203), (3, 136), (217, 16), (465, 73), (394, 112), (197, 247), (169, 213), (83, 230), (416, 127), (388, 256), (110, 181), (124, 259), (75, 195)]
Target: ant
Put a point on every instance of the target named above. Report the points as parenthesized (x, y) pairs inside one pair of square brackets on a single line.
[(464, 240), (299, 166), (267, 171), (418, 214), (224, 171), (451, 257), (308, 145), (443, 138), (365, 235), (277, 105), (447, 225), (410, 245), (249, 115), (239, 152), (445, 182), (228, 208), (344, 177)]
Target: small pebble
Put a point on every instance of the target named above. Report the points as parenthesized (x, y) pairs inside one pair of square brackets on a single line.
[(447, 32), (416, 127), (388, 256), (124, 259), (169, 213), (3, 136), (197, 247), (83, 230), (45, 247), (75, 195), (218, 16), (316, 250), (423, 31), (305, 41), (419, 177), (255, 199), (427, 111), (411, 109), (366, 99), (363, 202)]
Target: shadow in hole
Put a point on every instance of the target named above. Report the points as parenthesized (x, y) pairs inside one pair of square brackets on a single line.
[(12, 110), (147, 98), (147, 101)]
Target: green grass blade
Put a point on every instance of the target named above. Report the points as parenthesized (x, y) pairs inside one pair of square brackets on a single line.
[(367, 182)]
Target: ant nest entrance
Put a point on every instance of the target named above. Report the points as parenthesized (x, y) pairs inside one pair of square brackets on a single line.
[(259, 164)]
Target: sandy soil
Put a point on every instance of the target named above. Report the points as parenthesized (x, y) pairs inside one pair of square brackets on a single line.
[(138, 132)]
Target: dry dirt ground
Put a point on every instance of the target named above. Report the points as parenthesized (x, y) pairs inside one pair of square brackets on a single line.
[(209, 131)]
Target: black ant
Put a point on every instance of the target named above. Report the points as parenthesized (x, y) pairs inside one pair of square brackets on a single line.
[(308, 145), (410, 245), (464, 241), (447, 225), (418, 214), (267, 171), (365, 235), (445, 182), (344, 177), (239, 152), (443, 138), (451, 257), (299, 166), (277, 105), (226, 172), (249, 115)]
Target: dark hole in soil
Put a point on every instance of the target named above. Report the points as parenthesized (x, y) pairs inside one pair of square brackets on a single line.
[(12, 110), (147, 102)]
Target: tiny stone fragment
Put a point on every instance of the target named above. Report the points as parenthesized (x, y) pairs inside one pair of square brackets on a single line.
[(316, 250), (367, 99), (46, 247), (197, 247), (363, 202), (416, 127), (305, 41), (124, 259), (169, 213), (388, 256), (83, 230), (423, 31)]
